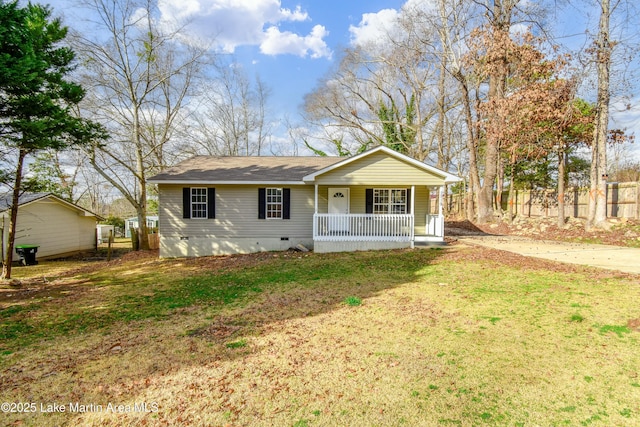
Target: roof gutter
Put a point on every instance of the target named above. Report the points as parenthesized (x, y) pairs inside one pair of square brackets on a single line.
[(200, 182)]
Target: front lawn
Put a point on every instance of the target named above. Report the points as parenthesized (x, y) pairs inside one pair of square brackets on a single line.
[(456, 336)]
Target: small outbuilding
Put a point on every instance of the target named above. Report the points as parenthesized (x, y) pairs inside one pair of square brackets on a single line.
[(56, 226), (132, 223)]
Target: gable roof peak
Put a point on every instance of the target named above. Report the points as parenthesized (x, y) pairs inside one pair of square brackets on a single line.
[(448, 178)]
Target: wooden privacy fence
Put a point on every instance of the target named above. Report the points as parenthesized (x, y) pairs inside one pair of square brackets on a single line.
[(623, 201), (154, 239)]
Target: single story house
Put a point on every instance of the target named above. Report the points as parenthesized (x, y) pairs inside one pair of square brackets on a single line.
[(58, 227), (379, 199)]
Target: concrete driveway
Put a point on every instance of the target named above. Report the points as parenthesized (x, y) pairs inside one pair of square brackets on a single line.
[(602, 256)]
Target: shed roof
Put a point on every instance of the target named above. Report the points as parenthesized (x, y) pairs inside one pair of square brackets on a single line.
[(26, 198), (7, 198)]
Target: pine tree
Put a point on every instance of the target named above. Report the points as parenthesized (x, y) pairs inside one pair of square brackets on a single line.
[(36, 101)]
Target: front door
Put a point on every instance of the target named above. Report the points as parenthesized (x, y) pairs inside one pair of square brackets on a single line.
[(339, 205)]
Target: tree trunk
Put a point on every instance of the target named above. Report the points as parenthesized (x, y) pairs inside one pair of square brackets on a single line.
[(561, 185), (141, 210), (141, 206), (139, 202), (143, 230), (597, 214), (441, 163), (500, 186), (485, 193), (469, 205), (511, 192), (8, 260), (501, 23), (474, 176)]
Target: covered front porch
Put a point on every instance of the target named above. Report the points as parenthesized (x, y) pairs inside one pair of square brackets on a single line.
[(361, 218), (379, 199)]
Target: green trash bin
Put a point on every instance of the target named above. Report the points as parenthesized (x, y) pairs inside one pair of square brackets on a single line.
[(27, 254)]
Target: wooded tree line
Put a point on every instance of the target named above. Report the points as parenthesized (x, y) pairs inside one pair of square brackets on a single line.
[(480, 88), (483, 88)]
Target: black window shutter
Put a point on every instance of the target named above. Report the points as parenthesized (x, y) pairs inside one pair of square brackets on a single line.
[(211, 203), (186, 202), (369, 201), (262, 203), (286, 203), (408, 200)]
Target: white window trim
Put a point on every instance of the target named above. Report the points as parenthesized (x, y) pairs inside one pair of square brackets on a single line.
[(206, 202), (389, 204), (267, 203)]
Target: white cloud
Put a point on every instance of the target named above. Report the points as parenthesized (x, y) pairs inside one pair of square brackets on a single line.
[(277, 42), (374, 27), (233, 23), (296, 15), (376, 30)]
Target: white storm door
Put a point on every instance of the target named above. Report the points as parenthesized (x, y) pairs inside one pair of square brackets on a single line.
[(339, 206)]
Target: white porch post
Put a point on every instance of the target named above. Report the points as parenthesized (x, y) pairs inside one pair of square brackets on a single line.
[(441, 210), (315, 213), (413, 213)]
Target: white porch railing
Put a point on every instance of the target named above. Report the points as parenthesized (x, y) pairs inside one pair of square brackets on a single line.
[(363, 227), (435, 225)]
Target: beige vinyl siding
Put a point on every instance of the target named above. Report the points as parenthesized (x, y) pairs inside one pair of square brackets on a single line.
[(379, 169), (236, 214), (358, 200), (422, 204), (56, 228)]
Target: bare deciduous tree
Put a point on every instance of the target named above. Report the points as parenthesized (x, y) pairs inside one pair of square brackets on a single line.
[(597, 209), (231, 119), (394, 91), (139, 79)]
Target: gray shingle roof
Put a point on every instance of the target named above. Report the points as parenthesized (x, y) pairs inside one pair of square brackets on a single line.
[(5, 199), (213, 169)]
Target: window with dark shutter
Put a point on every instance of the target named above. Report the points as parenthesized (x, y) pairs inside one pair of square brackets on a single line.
[(186, 202), (198, 203), (211, 203), (262, 203), (286, 203), (274, 203), (383, 201), (369, 201)]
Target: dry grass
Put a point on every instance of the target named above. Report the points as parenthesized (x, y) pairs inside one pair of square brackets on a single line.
[(456, 337)]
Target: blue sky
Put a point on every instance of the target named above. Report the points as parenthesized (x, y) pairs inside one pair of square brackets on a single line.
[(290, 44), (296, 46)]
